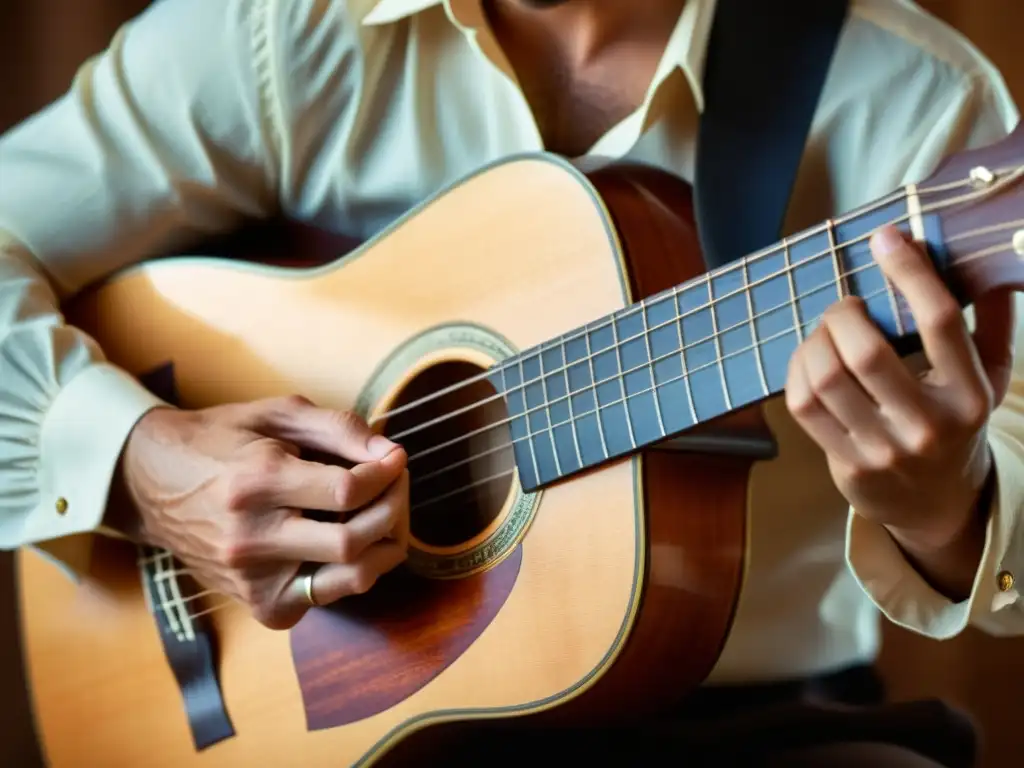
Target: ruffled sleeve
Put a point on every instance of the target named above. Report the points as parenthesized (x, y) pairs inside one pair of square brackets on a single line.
[(164, 137)]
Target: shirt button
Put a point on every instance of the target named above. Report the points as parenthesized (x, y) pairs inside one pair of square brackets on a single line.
[(1005, 581), (61, 505)]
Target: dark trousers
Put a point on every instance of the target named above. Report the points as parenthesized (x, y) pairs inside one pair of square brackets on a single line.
[(829, 722)]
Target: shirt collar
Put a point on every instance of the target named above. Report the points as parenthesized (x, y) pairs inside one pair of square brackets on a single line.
[(686, 49)]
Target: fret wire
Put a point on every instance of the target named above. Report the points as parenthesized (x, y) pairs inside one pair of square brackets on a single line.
[(568, 397), (842, 289), (718, 344), (593, 384), (526, 418), (687, 374), (792, 290), (622, 383), (547, 414), (682, 360), (753, 330), (650, 357), (894, 304)]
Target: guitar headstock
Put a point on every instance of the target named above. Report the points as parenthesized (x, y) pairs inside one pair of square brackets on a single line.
[(977, 196)]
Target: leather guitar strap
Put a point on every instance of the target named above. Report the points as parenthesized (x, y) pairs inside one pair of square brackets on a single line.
[(765, 69)]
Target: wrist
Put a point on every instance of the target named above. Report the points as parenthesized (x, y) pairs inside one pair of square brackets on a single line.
[(948, 558), (953, 512), (123, 514)]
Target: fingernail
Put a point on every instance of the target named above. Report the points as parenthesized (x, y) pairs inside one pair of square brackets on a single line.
[(379, 446), (887, 240)]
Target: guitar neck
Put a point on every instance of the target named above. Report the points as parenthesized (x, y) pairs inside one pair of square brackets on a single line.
[(721, 342)]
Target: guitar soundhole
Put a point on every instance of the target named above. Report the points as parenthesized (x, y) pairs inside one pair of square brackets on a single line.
[(460, 454)]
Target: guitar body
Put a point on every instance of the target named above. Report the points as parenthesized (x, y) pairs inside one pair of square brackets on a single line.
[(603, 596)]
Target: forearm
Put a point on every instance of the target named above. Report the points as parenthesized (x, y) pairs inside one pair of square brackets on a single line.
[(64, 413), (160, 138)]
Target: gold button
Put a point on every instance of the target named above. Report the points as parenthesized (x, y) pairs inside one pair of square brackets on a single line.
[(1005, 580), (62, 505)]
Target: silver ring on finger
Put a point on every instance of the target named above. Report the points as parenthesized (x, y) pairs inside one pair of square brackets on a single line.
[(307, 587)]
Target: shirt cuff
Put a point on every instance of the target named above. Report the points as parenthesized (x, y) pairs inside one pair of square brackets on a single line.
[(906, 599), (80, 444)]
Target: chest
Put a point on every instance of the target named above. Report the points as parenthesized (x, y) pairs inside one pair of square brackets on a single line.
[(576, 94), (573, 109)]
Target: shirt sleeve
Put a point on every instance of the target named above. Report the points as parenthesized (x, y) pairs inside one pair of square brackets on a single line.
[(979, 114), (167, 135)]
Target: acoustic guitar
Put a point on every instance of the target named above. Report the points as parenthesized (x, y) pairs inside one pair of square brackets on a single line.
[(580, 403)]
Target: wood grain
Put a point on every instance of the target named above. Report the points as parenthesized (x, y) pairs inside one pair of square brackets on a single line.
[(577, 591), (366, 654)]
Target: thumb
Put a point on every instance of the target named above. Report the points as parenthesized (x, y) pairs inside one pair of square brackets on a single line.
[(297, 420), (995, 325)]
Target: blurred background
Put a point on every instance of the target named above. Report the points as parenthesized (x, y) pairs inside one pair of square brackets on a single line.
[(44, 41)]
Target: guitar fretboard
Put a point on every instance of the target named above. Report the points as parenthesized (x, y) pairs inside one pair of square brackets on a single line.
[(706, 348)]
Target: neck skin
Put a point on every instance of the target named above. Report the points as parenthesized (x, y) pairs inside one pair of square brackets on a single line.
[(583, 65), (586, 31)]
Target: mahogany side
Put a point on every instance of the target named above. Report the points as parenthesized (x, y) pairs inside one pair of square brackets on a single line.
[(695, 504)]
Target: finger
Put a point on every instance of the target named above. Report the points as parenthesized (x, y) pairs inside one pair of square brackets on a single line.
[(937, 315), (299, 538), (297, 420), (813, 417), (873, 363), (837, 390), (301, 484), (338, 580), (402, 531), (995, 323)]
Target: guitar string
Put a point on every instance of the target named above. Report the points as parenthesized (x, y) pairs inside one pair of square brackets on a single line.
[(550, 429), (719, 272), (834, 283), (983, 253), (1012, 174), (164, 555), (642, 305), (686, 374)]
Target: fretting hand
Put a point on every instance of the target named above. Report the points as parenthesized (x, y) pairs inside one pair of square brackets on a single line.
[(221, 488), (907, 452)]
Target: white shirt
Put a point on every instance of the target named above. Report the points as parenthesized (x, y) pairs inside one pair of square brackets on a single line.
[(347, 113)]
